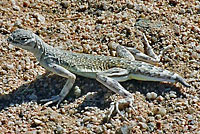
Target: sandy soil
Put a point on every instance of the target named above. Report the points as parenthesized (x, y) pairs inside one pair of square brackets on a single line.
[(88, 27)]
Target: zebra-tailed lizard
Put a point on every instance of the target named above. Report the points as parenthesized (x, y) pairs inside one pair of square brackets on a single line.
[(108, 70)]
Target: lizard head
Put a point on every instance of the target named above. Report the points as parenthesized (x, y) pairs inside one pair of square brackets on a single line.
[(22, 38)]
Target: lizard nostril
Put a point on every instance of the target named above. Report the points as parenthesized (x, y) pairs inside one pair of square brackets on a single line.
[(9, 39)]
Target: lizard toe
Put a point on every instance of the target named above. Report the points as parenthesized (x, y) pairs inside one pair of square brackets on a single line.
[(52, 100), (120, 104)]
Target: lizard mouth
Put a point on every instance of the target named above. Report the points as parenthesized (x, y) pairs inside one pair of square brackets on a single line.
[(11, 40)]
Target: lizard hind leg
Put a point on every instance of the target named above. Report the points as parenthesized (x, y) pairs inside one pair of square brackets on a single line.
[(131, 53), (110, 79)]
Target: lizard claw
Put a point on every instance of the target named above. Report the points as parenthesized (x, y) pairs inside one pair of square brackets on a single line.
[(51, 100), (122, 103)]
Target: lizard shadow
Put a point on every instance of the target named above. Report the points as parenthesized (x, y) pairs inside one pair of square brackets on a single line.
[(47, 86)]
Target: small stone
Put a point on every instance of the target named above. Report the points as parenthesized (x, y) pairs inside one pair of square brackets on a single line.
[(109, 125), (152, 118), (18, 23), (16, 8), (154, 39), (151, 126), (189, 10), (140, 118), (172, 95), (26, 77), (77, 91), (54, 108), (158, 116), (167, 96), (190, 117), (62, 111), (40, 18), (5, 81), (160, 132), (3, 72), (182, 11), (143, 125), (26, 4), (37, 122), (160, 98), (158, 124), (10, 66), (191, 110), (82, 8), (196, 29), (59, 129), (10, 123), (151, 95), (123, 130), (71, 111), (177, 29), (86, 118), (99, 129), (160, 110), (130, 4), (14, 5), (198, 8), (65, 4), (173, 2)]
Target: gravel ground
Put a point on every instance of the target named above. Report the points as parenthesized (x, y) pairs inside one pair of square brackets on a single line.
[(88, 26)]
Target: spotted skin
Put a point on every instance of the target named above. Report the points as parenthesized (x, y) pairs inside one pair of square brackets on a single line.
[(108, 70)]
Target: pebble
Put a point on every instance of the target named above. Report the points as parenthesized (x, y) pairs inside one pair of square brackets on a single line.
[(123, 130), (37, 122), (99, 129), (82, 8), (172, 95), (26, 4), (158, 117), (14, 5), (140, 118), (65, 4), (190, 117), (151, 95), (160, 98), (40, 18), (151, 118), (62, 111), (182, 11), (143, 125), (100, 23), (18, 23), (160, 110), (16, 8), (59, 129), (151, 126), (77, 91), (86, 118)]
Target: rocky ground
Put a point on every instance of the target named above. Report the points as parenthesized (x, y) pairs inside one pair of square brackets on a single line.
[(89, 26)]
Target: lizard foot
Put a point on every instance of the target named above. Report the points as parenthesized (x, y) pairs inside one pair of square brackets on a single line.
[(51, 100), (120, 104)]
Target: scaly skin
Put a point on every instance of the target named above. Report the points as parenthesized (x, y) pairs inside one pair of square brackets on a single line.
[(106, 69), (88, 65)]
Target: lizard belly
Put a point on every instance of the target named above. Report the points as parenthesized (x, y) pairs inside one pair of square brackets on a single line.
[(87, 74), (149, 78)]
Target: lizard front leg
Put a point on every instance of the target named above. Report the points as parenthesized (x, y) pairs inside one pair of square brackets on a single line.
[(110, 79), (61, 71)]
